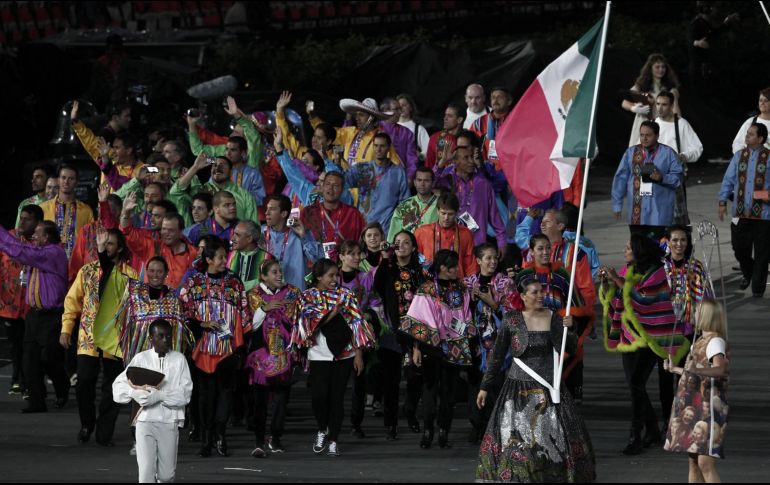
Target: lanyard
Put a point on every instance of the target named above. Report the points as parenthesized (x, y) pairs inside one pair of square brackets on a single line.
[(460, 184), (652, 158), (437, 244), (425, 209), (221, 297), (270, 248), (336, 226)]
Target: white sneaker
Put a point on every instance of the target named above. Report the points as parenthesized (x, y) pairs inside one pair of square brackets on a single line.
[(333, 450), (132, 451), (320, 442)]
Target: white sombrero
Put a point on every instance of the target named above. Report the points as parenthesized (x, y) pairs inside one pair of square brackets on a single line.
[(369, 105)]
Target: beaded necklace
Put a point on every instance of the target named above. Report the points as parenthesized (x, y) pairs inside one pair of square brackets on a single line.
[(66, 217)]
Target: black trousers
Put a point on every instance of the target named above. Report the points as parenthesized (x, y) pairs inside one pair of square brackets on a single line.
[(328, 382), (43, 355), (748, 235), (391, 379), (358, 399), (638, 366), (413, 375), (280, 398), (215, 396), (439, 378), (479, 418), (88, 374), (193, 415), (14, 329)]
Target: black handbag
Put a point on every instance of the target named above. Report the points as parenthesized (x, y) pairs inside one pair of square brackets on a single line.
[(338, 334)]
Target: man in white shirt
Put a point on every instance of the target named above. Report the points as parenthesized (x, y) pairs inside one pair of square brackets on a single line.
[(687, 144), (739, 143), (477, 104), (162, 407), (677, 133)]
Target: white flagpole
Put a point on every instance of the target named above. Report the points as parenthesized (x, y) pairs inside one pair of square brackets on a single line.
[(579, 228), (767, 16)]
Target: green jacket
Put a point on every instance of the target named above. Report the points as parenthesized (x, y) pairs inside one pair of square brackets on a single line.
[(182, 199), (253, 140)]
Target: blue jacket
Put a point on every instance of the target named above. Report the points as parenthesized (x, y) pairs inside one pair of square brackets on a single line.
[(658, 209)]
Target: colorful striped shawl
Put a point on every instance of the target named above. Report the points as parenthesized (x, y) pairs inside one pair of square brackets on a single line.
[(641, 315)]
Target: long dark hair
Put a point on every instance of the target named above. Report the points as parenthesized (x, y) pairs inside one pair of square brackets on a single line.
[(123, 253), (647, 253), (688, 233), (414, 259), (320, 268), (644, 81), (445, 257), (213, 244)]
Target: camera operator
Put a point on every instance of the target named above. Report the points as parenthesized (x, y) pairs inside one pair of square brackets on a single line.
[(286, 240)]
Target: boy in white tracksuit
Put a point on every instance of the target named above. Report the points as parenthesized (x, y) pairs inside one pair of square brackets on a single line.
[(162, 412)]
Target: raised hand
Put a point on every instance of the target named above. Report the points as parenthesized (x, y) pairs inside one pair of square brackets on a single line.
[(278, 139), (232, 107), (130, 204), (103, 191), (74, 111), (103, 147), (283, 101), (101, 238)]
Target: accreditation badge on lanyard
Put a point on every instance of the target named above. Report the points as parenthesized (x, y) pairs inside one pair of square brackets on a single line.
[(645, 189), (492, 150)]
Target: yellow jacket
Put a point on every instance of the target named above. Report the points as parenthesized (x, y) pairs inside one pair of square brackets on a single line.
[(84, 215), (82, 301), (345, 137), (88, 140), (296, 150)]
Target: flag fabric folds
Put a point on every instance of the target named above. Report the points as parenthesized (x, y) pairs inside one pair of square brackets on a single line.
[(545, 136)]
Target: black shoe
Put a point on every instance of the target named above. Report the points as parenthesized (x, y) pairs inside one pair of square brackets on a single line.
[(392, 433), (221, 446), (744, 283), (634, 447), (358, 432), (205, 450), (757, 295), (194, 435), (427, 439), (207, 443), (34, 409), (414, 425), (473, 436), (651, 439), (443, 438), (84, 435), (61, 402), (274, 444), (106, 444)]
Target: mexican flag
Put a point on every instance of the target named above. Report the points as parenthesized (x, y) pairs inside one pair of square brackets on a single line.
[(541, 142)]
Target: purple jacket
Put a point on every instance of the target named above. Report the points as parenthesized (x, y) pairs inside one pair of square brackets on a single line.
[(477, 197), (403, 141), (47, 282)]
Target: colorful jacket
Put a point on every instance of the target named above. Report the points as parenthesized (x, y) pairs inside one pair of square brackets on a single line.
[(440, 317), (641, 315), (83, 301), (272, 362), (220, 299), (315, 305), (138, 311)]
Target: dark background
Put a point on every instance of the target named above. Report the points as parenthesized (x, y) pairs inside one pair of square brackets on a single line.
[(329, 50)]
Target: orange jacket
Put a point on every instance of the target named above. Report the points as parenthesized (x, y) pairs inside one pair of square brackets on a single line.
[(426, 243)]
